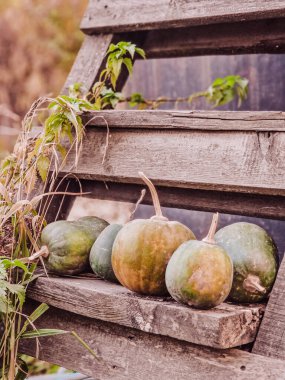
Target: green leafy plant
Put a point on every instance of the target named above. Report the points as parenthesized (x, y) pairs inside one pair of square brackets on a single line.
[(23, 212)]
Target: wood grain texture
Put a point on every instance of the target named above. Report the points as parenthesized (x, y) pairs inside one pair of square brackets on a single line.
[(121, 16), (261, 36), (271, 336), (222, 327), (266, 121), (189, 157), (89, 62), (263, 206), (126, 353)]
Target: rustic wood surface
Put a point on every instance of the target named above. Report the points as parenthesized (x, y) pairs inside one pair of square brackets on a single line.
[(271, 337), (121, 16), (89, 61), (261, 36), (191, 199), (222, 327), (126, 353), (233, 160), (266, 121)]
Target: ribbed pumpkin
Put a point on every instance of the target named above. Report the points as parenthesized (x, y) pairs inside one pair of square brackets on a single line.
[(101, 253), (255, 260), (200, 273), (66, 245), (143, 248)]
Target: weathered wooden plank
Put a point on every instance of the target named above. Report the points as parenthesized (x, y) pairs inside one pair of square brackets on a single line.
[(121, 16), (266, 121), (222, 327), (126, 353), (271, 336), (262, 206), (211, 160), (89, 61), (261, 36)]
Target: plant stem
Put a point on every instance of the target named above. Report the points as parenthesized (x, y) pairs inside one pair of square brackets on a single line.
[(43, 252), (252, 284), (210, 237), (154, 196)]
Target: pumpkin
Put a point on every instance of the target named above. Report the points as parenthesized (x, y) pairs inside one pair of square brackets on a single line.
[(93, 223), (101, 253), (66, 245), (200, 273), (143, 248), (255, 260)]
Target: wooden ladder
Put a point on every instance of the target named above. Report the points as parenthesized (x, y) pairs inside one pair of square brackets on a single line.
[(232, 162)]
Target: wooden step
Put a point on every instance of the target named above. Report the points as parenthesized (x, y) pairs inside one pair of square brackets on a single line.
[(125, 353), (225, 326), (121, 16), (236, 159)]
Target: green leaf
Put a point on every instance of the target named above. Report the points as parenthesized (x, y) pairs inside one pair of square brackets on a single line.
[(40, 310), (18, 290), (131, 49), (42, 333), (140, 52), (43, 164), (129, 65)]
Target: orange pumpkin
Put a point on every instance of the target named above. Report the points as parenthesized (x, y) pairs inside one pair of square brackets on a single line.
[(143, 248)]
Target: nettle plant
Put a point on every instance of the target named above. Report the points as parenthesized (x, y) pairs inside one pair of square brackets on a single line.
[(22, 213)]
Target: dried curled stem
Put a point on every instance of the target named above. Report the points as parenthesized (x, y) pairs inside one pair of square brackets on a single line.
[(210, 237)]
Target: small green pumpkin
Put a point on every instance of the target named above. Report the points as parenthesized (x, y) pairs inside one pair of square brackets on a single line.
[(143, 248), (66, 245), (93, 223), (200, 273), (255, 260), (101, 253)]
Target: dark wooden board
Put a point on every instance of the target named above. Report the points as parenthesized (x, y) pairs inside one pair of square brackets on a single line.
[(261, 36), (256, 205), (219, 152), (126, 353), (222, 327), (122, 16), (271, 336)]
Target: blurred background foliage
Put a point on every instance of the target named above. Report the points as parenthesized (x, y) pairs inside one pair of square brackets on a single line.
[(38, 43)]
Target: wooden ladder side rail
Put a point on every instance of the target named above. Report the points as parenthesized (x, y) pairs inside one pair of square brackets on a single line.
[(270, 340), (86, 69)]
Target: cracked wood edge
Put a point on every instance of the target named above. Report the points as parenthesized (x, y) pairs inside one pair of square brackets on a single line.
[(126, 353), (122, 16), (266, 121), (225, 326)]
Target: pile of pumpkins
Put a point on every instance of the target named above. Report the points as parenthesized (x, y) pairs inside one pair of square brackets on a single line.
[(156, 256)]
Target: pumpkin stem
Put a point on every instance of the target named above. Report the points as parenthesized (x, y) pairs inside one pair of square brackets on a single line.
[(210, 237), (43, 252), (138, 203), (252, 284), (154, 196)]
